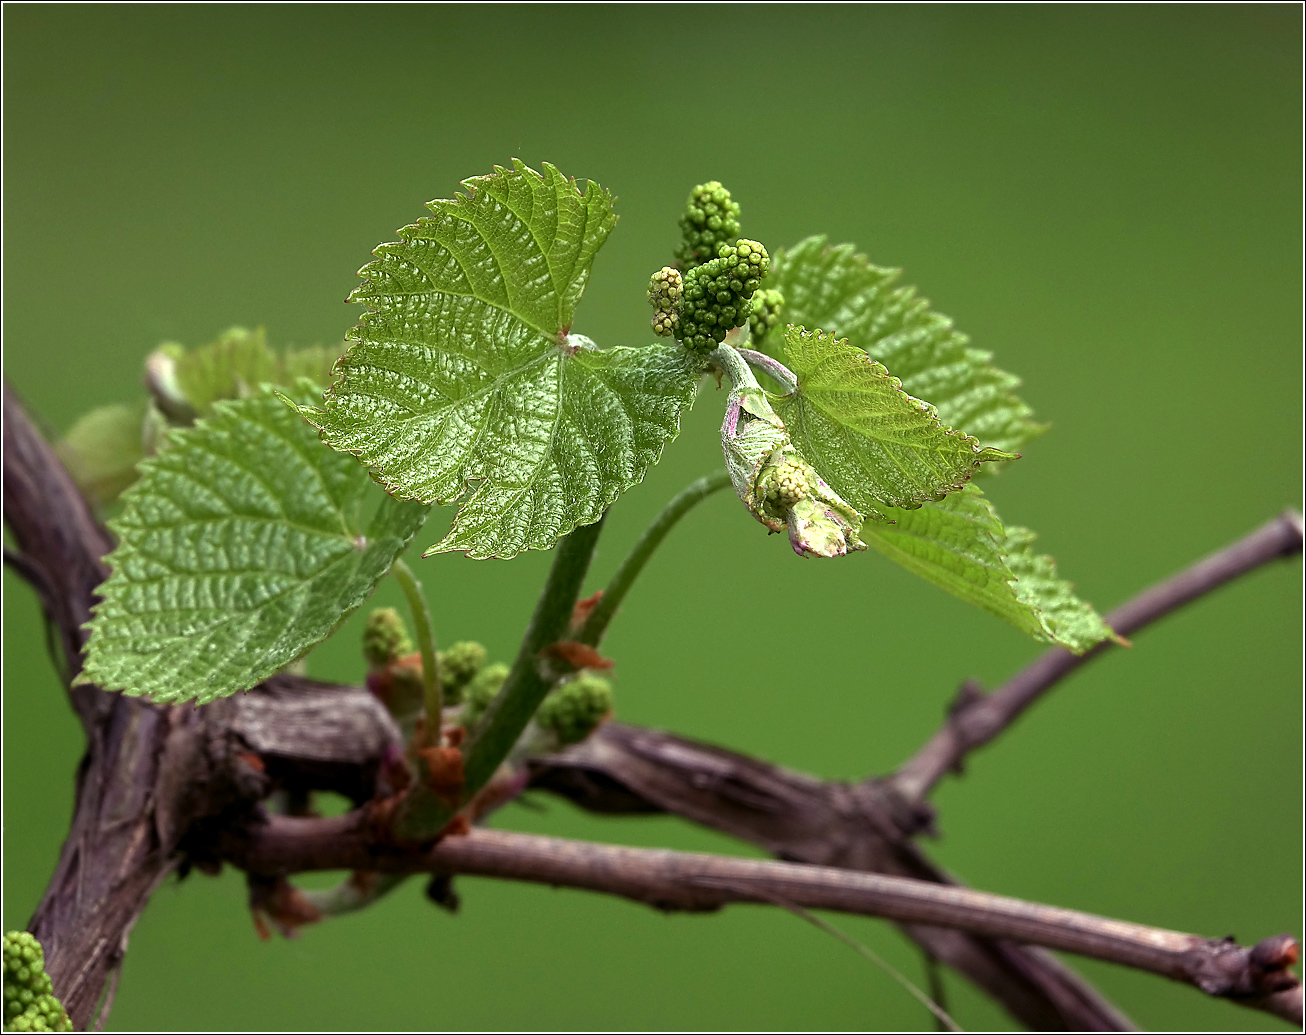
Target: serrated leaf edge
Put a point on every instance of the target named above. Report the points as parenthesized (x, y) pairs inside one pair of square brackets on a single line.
[(981, 453)]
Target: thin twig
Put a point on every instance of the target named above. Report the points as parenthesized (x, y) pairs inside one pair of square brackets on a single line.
[(982, 717), (53, 526), (1258, 977), (936, 1010), (934, 976), (622, 769), (615, 592)]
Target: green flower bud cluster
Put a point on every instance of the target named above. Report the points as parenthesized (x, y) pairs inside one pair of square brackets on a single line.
[(718, 294), (573, 710), (458, 666), (665, 289), (711, 219), (478, 693), (30, 1003), (765, 312), (788, 493), (385, 637)]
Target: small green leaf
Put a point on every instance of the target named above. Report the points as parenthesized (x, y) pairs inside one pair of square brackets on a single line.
[(960, 545), (235, 364), (834, 288), (316, 362), (874, 443), (242, 545), (229, 368), (102, 449), (464, 376)]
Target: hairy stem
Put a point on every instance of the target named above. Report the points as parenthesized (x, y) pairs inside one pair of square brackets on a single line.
[(773, 367), (980, 717), (431, 687), (597, 622), (728, 358)]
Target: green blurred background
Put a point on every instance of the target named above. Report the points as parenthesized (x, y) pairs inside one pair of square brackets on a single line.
[(1107, 197)]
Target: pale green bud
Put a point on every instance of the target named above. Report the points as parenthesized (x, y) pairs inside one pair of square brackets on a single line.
[(573, 710), (458, 665), (385, 637), (665, 290)]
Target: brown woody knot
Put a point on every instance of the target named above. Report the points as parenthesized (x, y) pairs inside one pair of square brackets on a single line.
[(1270, 961), (444, 772), (1224, 968)]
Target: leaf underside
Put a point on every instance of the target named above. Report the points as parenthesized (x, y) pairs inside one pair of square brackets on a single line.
[(960, 545), (242, 544), (839, 291), (464, 383), (875, 444)]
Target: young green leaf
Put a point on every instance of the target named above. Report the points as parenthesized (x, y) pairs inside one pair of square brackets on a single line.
[(960, 545), (874, 443), (834, 288), (464, 376), (238, 361), (102, 449), (242, 545), (315, 362), (230, 367)]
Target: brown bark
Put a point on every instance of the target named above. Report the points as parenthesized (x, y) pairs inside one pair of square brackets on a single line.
[(624, 768), (1257, 976)]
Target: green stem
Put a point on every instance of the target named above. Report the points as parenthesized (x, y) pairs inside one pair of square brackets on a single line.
[(426, 645), (525, 688), (782, 375), (735, 367), (597, 622), (424, 815)]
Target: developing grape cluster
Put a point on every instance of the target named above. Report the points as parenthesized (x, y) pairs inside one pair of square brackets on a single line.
[(718, 286), (30, 1003), (570, 711)]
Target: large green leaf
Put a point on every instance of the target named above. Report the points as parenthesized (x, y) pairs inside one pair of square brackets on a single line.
[(960, 545), (834, 288), (242, 545), (873, 443), (464, 376)]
